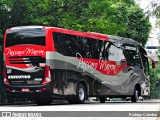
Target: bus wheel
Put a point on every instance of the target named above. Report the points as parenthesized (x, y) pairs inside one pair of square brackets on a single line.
[(135, 97), (11, 100), (42, 101), (102, 99), (80, 95)]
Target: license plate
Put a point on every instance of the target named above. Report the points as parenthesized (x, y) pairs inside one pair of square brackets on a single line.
[(42, 64), (25, 89)]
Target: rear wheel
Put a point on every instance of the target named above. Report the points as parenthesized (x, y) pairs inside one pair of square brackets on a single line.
[(42, 101), (80, 95), (102, 99), (11, 100)]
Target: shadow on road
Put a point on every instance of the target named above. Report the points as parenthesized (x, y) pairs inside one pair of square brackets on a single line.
[(59, 103)]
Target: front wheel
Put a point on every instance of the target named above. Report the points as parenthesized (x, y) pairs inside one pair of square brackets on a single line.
[(80, 95), (135, 97), (102, 99)]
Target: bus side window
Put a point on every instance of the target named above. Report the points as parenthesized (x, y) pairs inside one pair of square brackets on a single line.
[(115, 53), (68, 45), (59, 44), (103, 50), (112, 53)]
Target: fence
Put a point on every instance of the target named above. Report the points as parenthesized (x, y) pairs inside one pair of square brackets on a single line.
[(155, 91)]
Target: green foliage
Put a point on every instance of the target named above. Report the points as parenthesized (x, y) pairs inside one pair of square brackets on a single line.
[(115, 17), (106, 16), (138, 25), (158, 49), (154, 75), (4, 15), (156, 12)]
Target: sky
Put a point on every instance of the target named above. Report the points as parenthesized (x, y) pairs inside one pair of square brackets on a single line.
[(147, 5)]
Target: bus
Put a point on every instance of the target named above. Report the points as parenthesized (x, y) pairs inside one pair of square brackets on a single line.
[(49, 63)]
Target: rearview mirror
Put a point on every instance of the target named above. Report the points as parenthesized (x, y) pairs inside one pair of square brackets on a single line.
[(153, 65), (153, 61)]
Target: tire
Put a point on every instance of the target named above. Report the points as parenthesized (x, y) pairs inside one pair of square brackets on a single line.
[(11, 100), (102, 99), (42, 101), (80, 95), (135, 97)]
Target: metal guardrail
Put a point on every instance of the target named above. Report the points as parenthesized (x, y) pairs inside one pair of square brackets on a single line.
[(155, 94)]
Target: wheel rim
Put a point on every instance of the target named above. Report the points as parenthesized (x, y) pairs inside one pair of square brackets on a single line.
[(81, 94)]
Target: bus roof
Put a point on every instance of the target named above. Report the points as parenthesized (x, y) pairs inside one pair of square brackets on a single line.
[(113, 38), (84, 34), (79, 33), (24, 27)]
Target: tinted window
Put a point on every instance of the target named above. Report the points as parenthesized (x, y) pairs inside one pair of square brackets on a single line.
[(26, 36), (132, 55), (70, 45)]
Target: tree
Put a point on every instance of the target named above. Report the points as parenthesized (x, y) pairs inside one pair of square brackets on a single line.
[(106, 16), (138, 25), (4, 16), (115, 17)]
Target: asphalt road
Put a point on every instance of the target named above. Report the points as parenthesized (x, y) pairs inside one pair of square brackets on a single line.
[(111, 108)]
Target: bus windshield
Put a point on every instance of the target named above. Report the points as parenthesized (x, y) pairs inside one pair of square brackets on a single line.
[(35, 36)]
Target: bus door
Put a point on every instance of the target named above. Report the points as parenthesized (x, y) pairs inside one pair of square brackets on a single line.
[(146, 85), (134, 64)]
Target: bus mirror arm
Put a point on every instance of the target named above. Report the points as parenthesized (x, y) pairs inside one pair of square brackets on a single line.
[(123, 61), (152, 60)]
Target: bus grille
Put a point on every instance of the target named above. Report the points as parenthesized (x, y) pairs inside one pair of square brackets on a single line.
[(34, 60)]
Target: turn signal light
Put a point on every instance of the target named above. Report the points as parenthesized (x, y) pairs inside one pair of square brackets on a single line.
[(5, 76)]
